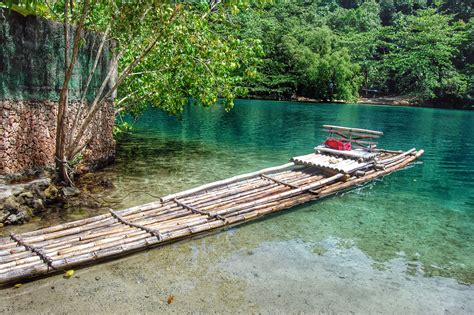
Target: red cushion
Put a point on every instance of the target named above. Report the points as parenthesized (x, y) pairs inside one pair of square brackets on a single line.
[(338, 145)]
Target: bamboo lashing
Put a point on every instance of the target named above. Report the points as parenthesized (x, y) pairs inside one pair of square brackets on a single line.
[(194, 210), (285, 183), (203, 209), (153, 232), (33, 249), (278, 181)]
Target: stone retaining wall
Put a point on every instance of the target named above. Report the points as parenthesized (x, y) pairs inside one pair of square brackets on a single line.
[(31, 76), (28, 131)]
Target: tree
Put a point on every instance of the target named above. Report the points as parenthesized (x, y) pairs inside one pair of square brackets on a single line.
[(295, 63), (392, 9), (422, 50), (166, 52), (358, 30), (324, 71)]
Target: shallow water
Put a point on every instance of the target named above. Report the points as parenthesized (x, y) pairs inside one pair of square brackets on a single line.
[(414, 227), (424, 214)]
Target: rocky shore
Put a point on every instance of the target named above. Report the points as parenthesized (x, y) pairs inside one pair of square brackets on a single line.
[(21, 201)]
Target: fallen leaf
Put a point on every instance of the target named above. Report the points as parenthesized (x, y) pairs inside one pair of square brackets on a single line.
[(170, 299), (68, 274), (16, 286)]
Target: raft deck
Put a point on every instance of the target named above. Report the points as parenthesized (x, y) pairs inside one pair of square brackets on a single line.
[(203, 209)]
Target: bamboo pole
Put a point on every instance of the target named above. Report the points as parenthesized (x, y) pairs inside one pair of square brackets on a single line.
[(395, 158), (226, 181), (332, 128)]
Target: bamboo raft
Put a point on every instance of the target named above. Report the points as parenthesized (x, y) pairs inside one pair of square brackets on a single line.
[(199, 210)]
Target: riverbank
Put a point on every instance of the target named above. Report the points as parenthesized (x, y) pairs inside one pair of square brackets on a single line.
[(400, 100), (392, 100)]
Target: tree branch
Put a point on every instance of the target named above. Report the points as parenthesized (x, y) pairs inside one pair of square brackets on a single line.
[(74, 147), (89, 79)]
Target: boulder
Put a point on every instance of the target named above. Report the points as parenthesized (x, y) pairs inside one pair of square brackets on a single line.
[(67, 192), (11, 205), (26, 195), (51, 192), (19, 218), (4, 214), (38, 206)]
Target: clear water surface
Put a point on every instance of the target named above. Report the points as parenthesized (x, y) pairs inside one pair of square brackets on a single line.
[(402, 244), (419, 221), (423, 215)]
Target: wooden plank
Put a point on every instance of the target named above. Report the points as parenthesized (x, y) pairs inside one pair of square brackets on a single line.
[(353, 129), (356, 134)]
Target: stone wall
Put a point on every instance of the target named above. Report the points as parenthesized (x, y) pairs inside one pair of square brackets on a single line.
[(29, 129), (31, 76)]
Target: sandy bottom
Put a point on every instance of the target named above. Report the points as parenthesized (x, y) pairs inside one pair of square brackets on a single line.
[(231, 273)]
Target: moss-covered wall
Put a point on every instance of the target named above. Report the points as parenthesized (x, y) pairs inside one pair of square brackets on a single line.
[(31, 76), (32, 59)]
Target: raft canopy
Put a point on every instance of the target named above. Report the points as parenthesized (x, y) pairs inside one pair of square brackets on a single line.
[(344, 161), (362, 138)]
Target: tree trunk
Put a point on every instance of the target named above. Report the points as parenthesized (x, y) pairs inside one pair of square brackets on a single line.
[(60, 156), (62, 107)]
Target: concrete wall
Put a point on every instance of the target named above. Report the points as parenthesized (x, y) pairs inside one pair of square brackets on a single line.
[(31, 76)]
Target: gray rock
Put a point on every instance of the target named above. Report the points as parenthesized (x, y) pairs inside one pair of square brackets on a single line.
[(27, 195), (18, 218), (4, 214), (69, 192), (11, 205), (40, 184), (38, 205)]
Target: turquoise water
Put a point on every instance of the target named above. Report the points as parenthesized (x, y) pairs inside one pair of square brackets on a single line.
[(423, 215)]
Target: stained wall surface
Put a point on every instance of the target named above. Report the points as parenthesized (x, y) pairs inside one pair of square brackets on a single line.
[(31, 77)]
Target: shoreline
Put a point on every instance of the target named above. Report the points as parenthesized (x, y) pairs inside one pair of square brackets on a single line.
[(399, 101)]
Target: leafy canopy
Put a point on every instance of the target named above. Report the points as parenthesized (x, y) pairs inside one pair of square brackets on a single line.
[(198, 53), (422, 48)]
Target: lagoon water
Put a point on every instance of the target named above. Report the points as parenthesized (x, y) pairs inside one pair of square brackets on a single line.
[(402, 244)]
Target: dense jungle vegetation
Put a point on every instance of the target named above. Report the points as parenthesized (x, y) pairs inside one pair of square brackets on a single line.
[(340, 49), (328, 50)]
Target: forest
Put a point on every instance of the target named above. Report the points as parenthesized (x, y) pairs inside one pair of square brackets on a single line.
[(213, 51), (337, 50)]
